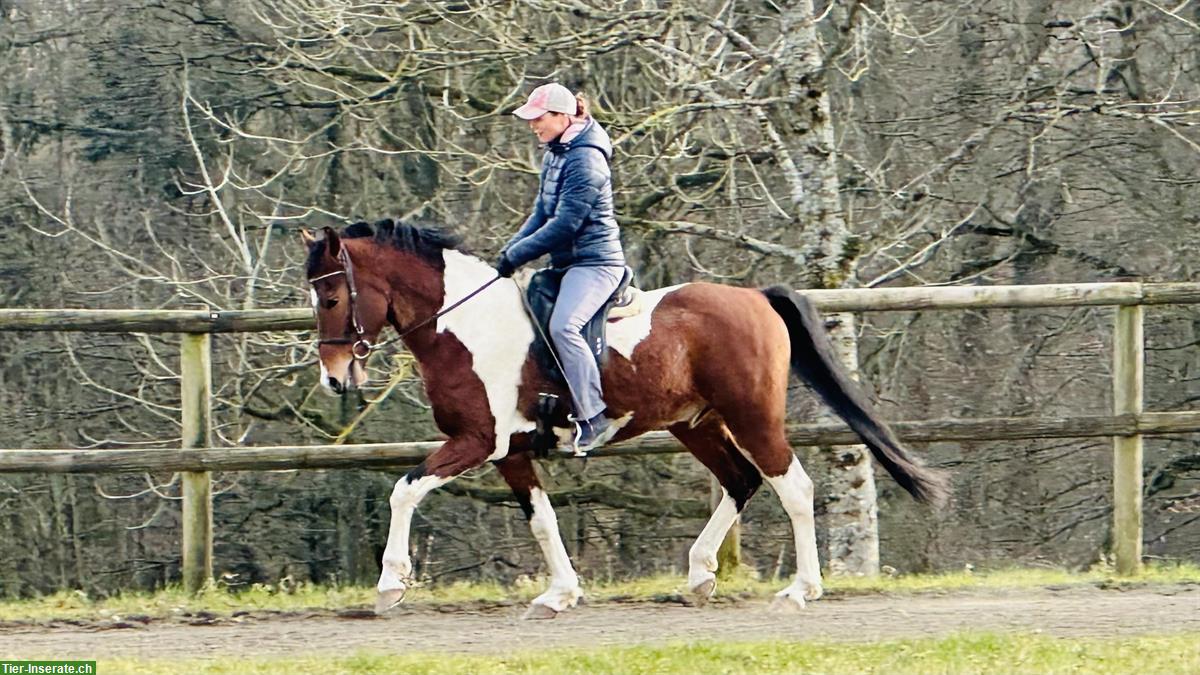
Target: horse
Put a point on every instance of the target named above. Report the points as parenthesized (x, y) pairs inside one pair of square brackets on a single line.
[(709, 363)]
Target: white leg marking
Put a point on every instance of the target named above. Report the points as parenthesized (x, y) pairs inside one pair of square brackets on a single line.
[(564, 589), (795, 490), (702, 558), (397, 564), (494, 328)]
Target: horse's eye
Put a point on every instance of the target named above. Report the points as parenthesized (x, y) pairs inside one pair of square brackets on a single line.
[(329, 303)]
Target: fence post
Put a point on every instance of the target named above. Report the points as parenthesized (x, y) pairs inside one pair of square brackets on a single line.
[(1128, 365), (195, 356)]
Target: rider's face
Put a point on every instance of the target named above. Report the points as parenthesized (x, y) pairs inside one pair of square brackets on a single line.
[(549, 126)]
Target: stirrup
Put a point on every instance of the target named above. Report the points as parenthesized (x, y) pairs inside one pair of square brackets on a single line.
[(605, 434), (571, 448)]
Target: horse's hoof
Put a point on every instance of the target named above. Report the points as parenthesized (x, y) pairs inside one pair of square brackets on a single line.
[(786, 604), (388, 599), (539, 611), (703, 592)]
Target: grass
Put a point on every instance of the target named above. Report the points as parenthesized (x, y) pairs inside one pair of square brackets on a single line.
[(960, 653), (171, 601)]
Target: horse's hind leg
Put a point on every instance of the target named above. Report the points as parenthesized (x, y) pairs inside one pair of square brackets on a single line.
[(765, 443), (711, 444), (795, 490), (564, 589)]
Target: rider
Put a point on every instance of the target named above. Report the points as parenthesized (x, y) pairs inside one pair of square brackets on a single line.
[(573, 221)]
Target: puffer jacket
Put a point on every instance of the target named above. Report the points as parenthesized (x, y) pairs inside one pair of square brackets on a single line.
[(572, 218)]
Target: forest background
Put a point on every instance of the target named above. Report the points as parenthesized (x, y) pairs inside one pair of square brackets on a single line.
[(164, 154)]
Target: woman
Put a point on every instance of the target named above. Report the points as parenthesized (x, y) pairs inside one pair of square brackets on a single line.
[(573, 221)]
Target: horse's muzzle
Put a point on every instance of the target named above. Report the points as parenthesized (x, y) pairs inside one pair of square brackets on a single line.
[(336, 385), (348, 378)]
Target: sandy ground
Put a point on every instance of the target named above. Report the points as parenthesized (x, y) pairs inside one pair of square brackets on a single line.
[(1087, 611)]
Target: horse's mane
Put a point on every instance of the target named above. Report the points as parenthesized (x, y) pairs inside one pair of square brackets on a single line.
[(426, 241)]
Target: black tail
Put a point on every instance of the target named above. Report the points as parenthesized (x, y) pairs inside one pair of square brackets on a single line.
[(815, 362)]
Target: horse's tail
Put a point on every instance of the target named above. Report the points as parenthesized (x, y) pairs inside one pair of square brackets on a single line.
[(814, 361)]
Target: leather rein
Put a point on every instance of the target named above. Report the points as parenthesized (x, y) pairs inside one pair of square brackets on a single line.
[(359, 341)]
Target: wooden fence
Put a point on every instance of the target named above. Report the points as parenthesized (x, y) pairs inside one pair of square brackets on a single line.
[(196, 457)]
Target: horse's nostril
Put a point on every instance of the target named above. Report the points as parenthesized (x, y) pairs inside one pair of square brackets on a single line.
[(335, 384)]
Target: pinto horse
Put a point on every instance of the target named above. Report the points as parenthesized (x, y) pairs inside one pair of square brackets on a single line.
[(708, 363)]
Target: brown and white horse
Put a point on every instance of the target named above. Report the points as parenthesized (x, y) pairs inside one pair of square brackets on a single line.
[(708, 363)]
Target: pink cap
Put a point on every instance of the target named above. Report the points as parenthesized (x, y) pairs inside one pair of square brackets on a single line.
[(551, 97)]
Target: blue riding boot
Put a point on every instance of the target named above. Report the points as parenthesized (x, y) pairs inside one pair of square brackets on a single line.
[(588, 435)]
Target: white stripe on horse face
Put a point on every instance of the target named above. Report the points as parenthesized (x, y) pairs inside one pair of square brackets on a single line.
[(625, 334), (324, 379), (494, 328)]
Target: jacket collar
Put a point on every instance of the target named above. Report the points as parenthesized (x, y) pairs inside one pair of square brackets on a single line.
[(559, 148)]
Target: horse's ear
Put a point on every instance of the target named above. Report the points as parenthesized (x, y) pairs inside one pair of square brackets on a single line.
[(307, 237), (333, 243)]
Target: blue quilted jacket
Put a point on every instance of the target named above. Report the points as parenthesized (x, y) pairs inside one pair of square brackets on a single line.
[(572, 218)]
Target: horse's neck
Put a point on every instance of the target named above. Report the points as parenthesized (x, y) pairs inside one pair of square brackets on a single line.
[(494, 315), (498, 307)]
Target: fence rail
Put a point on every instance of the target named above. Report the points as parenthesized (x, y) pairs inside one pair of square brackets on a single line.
[(155, 321), (403, 455), (1122, 293), (1127, 426)]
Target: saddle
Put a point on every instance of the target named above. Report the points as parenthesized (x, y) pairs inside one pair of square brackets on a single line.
[(542, 294)]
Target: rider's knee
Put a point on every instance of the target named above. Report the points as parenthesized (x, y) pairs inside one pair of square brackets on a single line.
[(561, 329)]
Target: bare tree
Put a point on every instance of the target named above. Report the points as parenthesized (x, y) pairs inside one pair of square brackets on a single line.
[(162, 154)]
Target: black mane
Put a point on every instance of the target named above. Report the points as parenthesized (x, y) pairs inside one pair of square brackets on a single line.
[(427, 241)]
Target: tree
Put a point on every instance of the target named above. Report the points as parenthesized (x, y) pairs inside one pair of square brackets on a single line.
[(163, 154)]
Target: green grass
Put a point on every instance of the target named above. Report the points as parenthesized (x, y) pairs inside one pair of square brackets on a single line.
[(172, 601), (1181, 573), (961, 653)]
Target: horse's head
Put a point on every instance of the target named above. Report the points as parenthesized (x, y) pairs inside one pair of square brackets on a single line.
[(351, 307)]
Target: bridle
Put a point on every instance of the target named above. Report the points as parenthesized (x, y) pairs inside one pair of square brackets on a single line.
[(359, 341)]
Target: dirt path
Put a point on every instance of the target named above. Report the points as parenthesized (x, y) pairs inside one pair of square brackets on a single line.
[(1066, 612)]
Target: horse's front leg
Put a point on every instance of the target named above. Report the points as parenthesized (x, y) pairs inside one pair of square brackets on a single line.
[(443, 465), (564, 589)]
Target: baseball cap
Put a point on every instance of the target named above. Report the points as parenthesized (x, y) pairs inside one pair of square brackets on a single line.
[(551, 97)]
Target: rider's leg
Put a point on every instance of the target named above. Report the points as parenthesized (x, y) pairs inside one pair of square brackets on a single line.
[(583, 292)]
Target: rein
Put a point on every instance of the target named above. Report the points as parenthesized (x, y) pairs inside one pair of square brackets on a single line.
[(358, 340), (449, 309)]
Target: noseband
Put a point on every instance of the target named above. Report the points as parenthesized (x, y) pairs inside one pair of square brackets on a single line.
[(358, 341)]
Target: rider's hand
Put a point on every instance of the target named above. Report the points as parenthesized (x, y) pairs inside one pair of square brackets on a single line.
[(504, 266)]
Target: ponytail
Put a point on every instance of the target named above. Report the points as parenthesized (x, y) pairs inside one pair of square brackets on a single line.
[(583, 107)]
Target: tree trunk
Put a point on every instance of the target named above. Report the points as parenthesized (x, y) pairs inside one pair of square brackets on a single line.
[(852, 515), (829, 257)]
